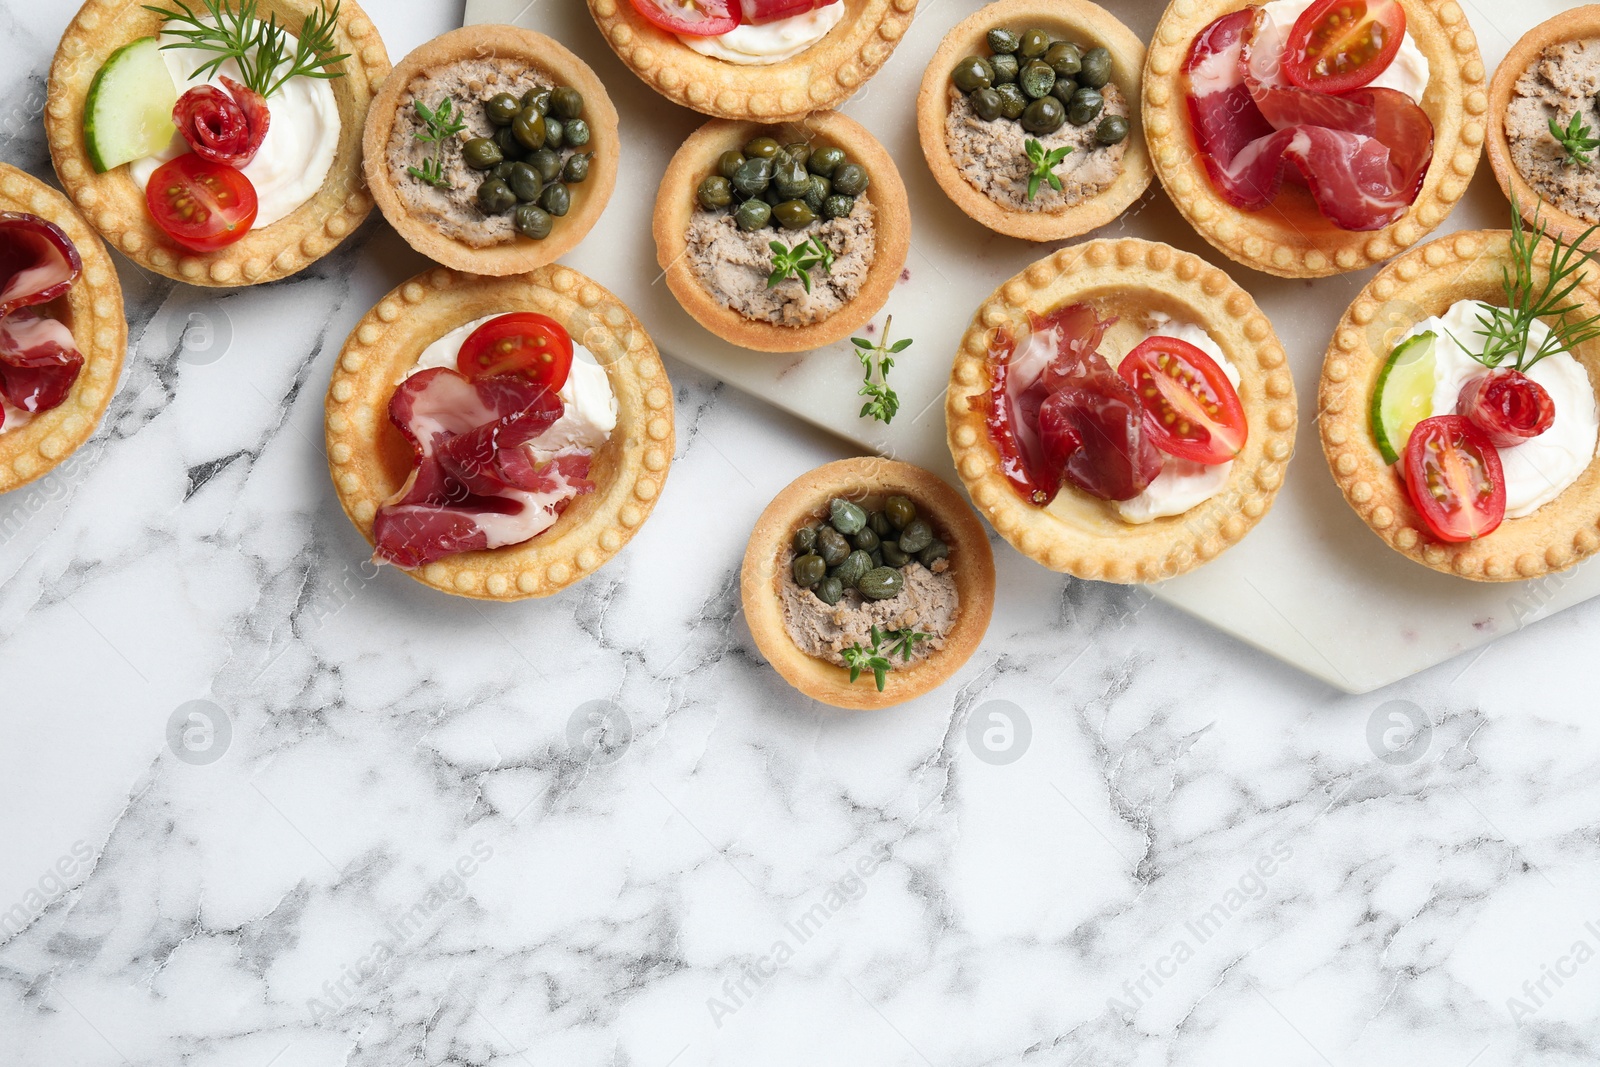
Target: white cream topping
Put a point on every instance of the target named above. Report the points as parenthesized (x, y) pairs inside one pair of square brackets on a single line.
[(1537, 470), (302, 137), (769, 42), (1407, 74), (16, 418), (590, 407)]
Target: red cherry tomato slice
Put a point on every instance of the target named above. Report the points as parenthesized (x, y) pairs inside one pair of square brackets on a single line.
[(1453, 476), (692, 18), (1191, 409), (201, 205), (535, 346), (1340, 45)]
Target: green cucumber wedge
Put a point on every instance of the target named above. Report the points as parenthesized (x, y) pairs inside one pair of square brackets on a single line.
[(1404, 394), (129, 112)]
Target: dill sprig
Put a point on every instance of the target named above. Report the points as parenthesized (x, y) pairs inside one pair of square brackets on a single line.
[(260, 47), (438, 126)]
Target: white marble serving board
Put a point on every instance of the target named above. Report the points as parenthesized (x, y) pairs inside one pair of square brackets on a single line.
[(1311, 585)]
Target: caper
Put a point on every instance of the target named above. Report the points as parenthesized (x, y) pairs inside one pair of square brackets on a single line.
[(729, 162), (791, 180), (830, 591), (771, 197), (510, 147), (854, 566), (851, 180), (752, 215), (1085, 107), (1012, 101), (879, 524), (1036, 79), (900, 511), (1003, 42), (555, 132), (1064, 58), (877, 556), (1113, 129), (1096, 68), (881, 583), (576, 169), (577, 133), (502, 169), (986, 104), (753, 177), (525, 182), (838, 207), (917, 536), (566, 103), (798, 151), (502, 108), (495, 197), (809, 569), (538, 99), (762, 148), (557, 199), (846, 517), (481, 153), (826, 160), (805, 539), (892, 556), (715, 193), (832, 546), (533, 221), (1033, 43), (972, 73), (794, 214), (531, 129), (817, 192), (1063, 90), (935, 551), (1005, 69), (1044, 116), (547, 162), (866, 539)]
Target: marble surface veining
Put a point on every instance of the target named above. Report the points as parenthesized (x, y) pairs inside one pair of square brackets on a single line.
[(265, 807)]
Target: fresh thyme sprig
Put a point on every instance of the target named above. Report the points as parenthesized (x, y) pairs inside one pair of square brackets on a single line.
[(882, 403), (438, 126), (798, 261), (1576, 139), (1044, 165), (875, 657), (260, 47), (1505, 331)]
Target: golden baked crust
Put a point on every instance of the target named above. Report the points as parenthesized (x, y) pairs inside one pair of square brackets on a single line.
[(675, 206), (823, 76), (1076, 533), (115, 206), (369, 460), (540, 53), (1292, 239), (94, 313), (1081, 21), (1423, 283), (871, 479), (1578, 24)]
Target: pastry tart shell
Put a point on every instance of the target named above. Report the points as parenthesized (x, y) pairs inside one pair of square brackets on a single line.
[(1421, 284), (1290, 238), (804, 501), (1578, 24), (1085, 22), (116, 206), (540, 53), (92, 309), (823, 76), (676, 205), (369, 459), (1076, 533)]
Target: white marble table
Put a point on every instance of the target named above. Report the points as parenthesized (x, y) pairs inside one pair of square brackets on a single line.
[(406, 843)]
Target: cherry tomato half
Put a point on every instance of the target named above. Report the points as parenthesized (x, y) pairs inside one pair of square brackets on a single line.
[(201, 205), (692, 18), (1191, 409), (1340, 45), (1453, 476), (526, 343)]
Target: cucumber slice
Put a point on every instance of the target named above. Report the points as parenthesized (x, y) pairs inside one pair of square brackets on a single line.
[(129, 112), (1404, 394)]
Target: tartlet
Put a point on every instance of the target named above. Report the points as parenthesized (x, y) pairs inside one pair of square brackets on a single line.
[(1420, 284), (369, 459), (823, 76), (865, 480), (1580, 23), (1081, 535), (1292, 239), (115, 205), (675, 206), (92, 309), (1081, 21), (542, 54)]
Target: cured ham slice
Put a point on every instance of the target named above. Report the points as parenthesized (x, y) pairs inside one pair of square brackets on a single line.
[(1363, 154), (38, 262), (39, 360), (480, 481), (224, 127)]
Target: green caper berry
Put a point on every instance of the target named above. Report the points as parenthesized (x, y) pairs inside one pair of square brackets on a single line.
[(826, 160), (851, 180), (502, 108), (577, 133), (935, 551), (1064, 58), (1005, 69), (729, 162), (972, 73), (805, 539), (533, 221), (1033, 43), (510, 147), (798, 151), (531, 130), (715, 193), (892, 556), (762, 148), (1044, 116), (1003, 42), (1096, 68), (566, 103), (525, 182), (817, 193), (832, 546), (1113, 129), (753, 215), (1063, 90), (838, 207), (879, 523), (555, 132), (854, 566), (502, 169), (809, 569), (771, 197), (495, 197), (846, 517), (900, 511), (830, 591), (877, 557), (556, 199), (547, 162), (1012, 101), (538, 99), (917, 536), (1085, 107), (1036, 79), (986, 104), (881, 583), (794, 214), (753, 177), (576, 169), (791, 180), (481, 153), (866, 539)]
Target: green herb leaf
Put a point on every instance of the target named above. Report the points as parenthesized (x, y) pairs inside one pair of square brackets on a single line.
[(438, 126), (1576, 139), (259, 47), (1505, 331), (797, 262), (882, 403), (1044, 165), (859, 658)]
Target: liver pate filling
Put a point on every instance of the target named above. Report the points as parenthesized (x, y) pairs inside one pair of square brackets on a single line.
[(1564, 80)]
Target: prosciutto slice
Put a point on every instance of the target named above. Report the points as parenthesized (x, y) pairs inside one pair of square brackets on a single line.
[(39, 360), (480, 481), (38, 262), (1363, 155), (224, 127)]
